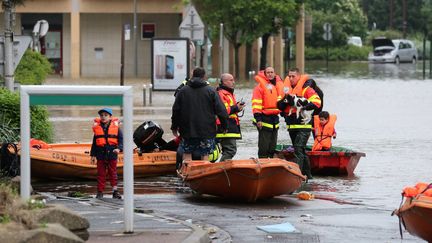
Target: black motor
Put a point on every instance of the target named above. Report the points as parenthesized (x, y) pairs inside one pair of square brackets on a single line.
[(148, 136)]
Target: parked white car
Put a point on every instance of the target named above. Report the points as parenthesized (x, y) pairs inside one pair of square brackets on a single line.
[(355, 41), (395, 51)]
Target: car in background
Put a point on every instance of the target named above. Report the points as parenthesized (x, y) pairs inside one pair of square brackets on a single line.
[(355, 41), (394, 51)]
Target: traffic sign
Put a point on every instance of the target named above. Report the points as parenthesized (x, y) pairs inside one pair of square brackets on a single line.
[(20, 45), (192, 26), (327, 27), (327, 36)]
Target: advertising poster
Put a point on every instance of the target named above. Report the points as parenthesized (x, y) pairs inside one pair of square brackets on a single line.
[(170, 62)]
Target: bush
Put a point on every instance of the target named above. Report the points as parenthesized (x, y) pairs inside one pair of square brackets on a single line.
[(346, 53), (40, 127), (33, 68)]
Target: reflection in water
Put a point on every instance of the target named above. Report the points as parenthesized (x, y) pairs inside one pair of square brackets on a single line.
[(382, 110), (365, 70), (150, 185)]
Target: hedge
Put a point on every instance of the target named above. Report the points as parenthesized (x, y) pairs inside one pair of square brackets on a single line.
[(40, 127)]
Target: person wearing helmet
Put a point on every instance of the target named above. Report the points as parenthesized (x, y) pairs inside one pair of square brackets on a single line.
[(107, 144)]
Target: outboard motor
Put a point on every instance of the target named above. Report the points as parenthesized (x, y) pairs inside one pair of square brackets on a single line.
[(148, 136)]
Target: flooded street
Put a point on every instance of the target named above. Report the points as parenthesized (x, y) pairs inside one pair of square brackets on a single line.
[(383, 110)]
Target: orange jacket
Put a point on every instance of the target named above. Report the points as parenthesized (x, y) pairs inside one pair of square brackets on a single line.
[(266, 95), (112, 135), (323, 135)]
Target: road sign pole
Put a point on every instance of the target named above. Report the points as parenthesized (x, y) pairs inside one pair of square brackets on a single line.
[(327, 56), (8, 47)]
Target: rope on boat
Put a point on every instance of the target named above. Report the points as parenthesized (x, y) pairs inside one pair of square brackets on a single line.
[(9, 163), (226, 175)]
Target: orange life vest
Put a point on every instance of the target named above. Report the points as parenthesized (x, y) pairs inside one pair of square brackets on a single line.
[(420, 188), (39, 144), (297, 90), (272, 94), (112, 135), (323, 135)]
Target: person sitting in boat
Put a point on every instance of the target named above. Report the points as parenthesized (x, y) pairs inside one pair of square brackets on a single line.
[(107, 144), (324, 130)]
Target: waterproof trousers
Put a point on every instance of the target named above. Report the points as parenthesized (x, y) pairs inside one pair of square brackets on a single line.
[(299, 138), (229, 148), (104, 168), (267, 139)]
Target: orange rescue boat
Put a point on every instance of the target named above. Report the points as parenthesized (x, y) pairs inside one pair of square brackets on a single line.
[(248, 180), (337, 161), (72, 161), (416, 212)]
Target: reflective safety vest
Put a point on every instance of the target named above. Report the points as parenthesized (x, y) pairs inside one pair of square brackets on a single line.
[(111, 138), (323, 135), (265, 97), (229, 101)]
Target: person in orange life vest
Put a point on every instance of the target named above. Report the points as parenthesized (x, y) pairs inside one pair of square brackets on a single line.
[(266, 94), (227, 138), (107, 144), (324, 130), (296, 84)]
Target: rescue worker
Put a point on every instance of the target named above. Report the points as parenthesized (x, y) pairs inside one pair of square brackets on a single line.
[(228, 139), (296, 84), (324, 130), (266, 94), (107, 144)]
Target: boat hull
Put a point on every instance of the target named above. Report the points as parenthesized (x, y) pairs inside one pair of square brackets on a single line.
[(246, 180), (416, 215), (328, 162), (73, 161)]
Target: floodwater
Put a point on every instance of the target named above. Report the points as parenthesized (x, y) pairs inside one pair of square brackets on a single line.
[(383, 110)]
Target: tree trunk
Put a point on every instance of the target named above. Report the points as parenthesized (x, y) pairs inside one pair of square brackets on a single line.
[(236, 59), (248, 60), (263, 59)]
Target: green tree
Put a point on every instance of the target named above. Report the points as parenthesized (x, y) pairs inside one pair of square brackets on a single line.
[(345, 16), (388, 14), (245, 20), (33, 68)]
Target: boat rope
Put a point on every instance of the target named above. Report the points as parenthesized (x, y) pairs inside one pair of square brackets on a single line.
[(257, 161), (400, 217), (226, 175)]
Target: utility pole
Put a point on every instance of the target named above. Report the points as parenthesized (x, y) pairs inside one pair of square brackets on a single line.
[(391, 14), (404, 24), (8, 45), (135, 39)]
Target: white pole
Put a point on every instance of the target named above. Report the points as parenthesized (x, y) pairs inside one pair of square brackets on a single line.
[(128, 169), (25, 145)]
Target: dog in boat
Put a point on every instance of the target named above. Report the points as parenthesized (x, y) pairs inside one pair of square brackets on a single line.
[(299, 103)]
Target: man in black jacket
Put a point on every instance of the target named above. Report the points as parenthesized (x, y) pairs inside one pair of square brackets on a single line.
[(194, 116)]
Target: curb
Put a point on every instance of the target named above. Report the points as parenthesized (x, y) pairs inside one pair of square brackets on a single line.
[(197, 236)]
